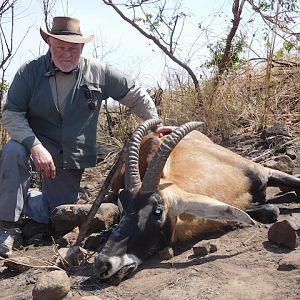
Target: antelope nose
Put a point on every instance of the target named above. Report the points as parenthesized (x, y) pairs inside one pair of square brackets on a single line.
[(102, 266)]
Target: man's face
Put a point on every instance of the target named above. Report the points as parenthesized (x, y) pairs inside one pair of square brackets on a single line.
[(65, 55)]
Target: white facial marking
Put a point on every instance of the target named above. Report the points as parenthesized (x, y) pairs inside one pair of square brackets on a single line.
[(144, 216), (117, 263)]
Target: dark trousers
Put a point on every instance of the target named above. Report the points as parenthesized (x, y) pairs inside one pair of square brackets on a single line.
[(16, 197)]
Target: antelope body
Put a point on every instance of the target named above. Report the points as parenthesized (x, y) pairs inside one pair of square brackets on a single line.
[(190, 186)]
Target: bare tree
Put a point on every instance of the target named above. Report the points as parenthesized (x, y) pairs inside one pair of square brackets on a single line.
[(285, 19), (48, 6), (6, 41), (166, 42), (237, 8)]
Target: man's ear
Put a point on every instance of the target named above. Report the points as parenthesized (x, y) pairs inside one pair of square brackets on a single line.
[(49, 41)]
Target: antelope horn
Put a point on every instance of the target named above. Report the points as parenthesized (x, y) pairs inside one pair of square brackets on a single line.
[(152, 176), (132, 174)]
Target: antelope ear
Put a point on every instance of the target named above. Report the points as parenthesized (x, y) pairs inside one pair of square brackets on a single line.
[(209, 208)]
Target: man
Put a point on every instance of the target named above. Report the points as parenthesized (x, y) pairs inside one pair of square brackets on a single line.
[(51, 115)]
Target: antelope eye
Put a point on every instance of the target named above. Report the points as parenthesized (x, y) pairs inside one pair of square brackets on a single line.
[(157, 211)]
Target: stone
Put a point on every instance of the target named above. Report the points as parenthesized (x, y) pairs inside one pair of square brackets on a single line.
[(214, 245), (202, 248), (65, 217), (19, 264), (282, 163), (277, 129), (166, 253), (69, 239), (291, 261), (205, 247), (53, 285), (74, 256), (291, 153), (286, 233)]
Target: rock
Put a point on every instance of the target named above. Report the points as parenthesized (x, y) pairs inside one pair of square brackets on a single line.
[(201, 249), (73, 256), (291, 153), (166, 253), (65, 217), (214, 245), (277, 129), (69, 239), (204, 247), (291, 261), (51, 286), (286, 233), (18, 264), (103, 149), (282, 163)]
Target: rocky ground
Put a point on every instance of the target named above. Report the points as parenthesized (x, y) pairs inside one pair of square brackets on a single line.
[(245, 266)]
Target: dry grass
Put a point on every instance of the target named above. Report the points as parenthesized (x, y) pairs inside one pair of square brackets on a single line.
[(239, 101), (244, 100)]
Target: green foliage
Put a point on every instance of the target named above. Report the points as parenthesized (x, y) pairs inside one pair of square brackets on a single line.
[(236, 61), (270, 5), (3, 87), (288, 47), (149, 21), (287, 13)]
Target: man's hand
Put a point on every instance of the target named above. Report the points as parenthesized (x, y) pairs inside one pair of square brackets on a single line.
[(164, 130), (43, 161)]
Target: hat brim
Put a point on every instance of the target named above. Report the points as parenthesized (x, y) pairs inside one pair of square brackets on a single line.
[(72, 38)]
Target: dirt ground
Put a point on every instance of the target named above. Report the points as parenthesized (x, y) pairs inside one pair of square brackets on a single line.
[(246, 266)]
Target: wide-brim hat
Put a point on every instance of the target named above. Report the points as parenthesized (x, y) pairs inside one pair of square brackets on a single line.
[(66, 29)]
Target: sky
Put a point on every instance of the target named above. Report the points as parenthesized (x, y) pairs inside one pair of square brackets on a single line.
[(117, 42)]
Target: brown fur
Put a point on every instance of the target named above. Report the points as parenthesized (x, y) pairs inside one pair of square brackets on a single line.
[(213, 175)]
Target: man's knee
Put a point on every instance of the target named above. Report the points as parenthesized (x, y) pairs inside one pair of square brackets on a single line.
[(14, 151)]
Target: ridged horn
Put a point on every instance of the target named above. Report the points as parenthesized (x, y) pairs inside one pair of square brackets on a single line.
[(152, 176), (132, 174)]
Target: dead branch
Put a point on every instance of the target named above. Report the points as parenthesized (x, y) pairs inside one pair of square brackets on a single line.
[(237, 8), (156, 42), (100, 197)]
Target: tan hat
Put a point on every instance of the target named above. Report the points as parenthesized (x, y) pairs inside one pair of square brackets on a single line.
[(66, 29)]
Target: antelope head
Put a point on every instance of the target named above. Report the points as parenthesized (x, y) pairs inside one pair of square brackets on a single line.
[(150, 207)]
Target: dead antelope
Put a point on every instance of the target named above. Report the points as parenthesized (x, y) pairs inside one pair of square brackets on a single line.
[(191, 186)]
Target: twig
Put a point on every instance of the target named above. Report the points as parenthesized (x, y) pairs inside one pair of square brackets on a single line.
[(100, 197), (249, 239), (34, 258), (259, 158), (55, 250), (30, 265)]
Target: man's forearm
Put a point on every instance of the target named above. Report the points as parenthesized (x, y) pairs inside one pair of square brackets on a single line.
[(18, 128), (140, 103)]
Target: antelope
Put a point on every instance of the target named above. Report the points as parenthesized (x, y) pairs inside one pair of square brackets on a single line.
[(188, 187)]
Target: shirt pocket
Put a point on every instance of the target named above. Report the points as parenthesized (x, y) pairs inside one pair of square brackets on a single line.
[(93, 96)]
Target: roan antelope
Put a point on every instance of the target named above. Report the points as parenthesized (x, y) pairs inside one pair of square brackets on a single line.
[(191, 186)]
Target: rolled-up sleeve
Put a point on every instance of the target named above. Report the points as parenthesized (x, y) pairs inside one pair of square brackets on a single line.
[(126, 92), (18, 128), (140, 103), (14, 112)]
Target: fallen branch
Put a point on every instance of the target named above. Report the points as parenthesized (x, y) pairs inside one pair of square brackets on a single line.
[(31, 265), (100, 197), (260, 157)]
